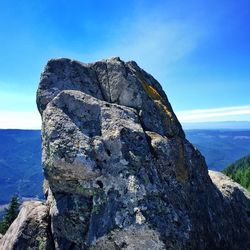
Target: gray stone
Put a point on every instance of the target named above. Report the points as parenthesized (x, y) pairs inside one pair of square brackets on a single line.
[(114, 81), (120, 173), (130, 238), (30, 230), (236, 205)]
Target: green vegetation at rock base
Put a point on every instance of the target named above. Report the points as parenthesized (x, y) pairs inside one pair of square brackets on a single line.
[(10, 214), (239, 171)]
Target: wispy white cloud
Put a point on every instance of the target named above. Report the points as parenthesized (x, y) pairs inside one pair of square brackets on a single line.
[(151, 40), (32, 120), (237, 113)]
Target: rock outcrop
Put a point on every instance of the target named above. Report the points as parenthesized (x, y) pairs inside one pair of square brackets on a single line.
[(120, 173), (30, 230)]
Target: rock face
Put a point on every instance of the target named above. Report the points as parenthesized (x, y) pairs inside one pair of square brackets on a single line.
[(119, 170), (30, 230), (237, 207), (120, 173)]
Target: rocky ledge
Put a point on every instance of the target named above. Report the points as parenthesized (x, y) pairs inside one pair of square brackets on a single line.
[(30, 230), (119, 173)]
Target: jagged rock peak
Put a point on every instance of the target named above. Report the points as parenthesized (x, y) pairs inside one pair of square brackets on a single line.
[(113, 81), (120, 173)]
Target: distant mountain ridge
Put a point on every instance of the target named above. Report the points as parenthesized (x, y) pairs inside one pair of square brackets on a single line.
[(220, 147), (239, 171), (20, 164), (226, 125)]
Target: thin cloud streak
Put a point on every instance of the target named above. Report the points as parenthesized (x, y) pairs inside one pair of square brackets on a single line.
[(20, 120), (238, 113), (31, 119), (153, 42)]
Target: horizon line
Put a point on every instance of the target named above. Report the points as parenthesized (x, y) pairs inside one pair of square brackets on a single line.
[(31, 119)]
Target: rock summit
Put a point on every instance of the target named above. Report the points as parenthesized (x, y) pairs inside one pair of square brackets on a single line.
[(119, 172)]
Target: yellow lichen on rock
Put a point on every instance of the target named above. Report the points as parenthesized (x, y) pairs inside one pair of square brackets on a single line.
[(164, 109), (157, 98), (152, 92), (154, 95), (181, 170)]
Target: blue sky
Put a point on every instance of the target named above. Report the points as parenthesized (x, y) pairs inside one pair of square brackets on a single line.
[(198, 50)]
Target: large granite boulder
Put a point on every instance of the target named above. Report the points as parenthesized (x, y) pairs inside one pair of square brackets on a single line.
[(120, 173)]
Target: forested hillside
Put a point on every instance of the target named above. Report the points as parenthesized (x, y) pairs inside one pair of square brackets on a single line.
[(240, 171), (220, 147)]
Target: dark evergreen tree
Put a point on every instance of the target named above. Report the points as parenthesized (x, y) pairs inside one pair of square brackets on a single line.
[(10, 214)]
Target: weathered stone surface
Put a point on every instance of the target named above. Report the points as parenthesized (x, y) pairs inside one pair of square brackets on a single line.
[(120, 173), (130, 238), (236, 205), (30, 230), (227, 186), (114, 81)]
